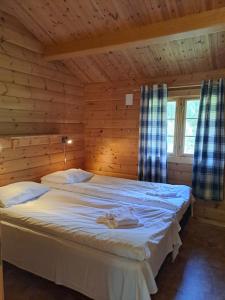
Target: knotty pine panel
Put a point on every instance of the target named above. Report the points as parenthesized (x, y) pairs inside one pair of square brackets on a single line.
[(36, 97), (187, 55)]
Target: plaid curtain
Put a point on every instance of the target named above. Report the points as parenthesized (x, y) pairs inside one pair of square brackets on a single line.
[(152, 163), (208, 166)]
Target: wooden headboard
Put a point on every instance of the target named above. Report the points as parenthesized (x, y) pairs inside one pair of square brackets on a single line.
[(30, 157)]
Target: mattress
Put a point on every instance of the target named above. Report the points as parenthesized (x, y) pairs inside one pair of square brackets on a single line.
[(61, 225), (176, 198)]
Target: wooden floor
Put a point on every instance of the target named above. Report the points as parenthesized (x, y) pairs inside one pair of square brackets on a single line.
[(198, 272)]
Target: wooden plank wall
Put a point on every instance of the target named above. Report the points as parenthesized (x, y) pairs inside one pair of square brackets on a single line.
[(36, 98), (111, 136), (31, 157)]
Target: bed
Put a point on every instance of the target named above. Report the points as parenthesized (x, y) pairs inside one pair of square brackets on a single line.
[(57, 237), (176, 198)]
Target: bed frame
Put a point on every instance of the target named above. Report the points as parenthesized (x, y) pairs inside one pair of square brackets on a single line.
[(188, 213), (89, 271)]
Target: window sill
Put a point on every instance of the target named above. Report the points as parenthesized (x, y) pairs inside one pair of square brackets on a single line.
[(181, 159)]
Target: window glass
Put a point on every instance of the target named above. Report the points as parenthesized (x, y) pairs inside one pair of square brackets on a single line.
[(171, 116), (191, 118)]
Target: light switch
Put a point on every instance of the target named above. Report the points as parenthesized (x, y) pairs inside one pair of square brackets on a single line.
[(129, 99)]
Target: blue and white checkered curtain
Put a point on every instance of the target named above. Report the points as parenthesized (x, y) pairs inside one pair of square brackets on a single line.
[(208, 166), (152, 163)]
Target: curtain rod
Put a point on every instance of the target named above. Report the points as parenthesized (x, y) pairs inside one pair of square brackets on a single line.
[(180, 87)]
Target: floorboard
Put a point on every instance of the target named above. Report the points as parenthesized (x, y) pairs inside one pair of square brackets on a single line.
[(197, 274)]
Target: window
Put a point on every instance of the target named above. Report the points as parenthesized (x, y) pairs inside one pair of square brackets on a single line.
[(182, 116), (191, 119), (171, 118)]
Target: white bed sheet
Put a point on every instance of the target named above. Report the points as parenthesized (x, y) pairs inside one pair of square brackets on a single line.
[(133, 191), (140, 246)]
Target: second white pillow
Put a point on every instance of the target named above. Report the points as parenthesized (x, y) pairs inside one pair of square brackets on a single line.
[(58, 177), (68, 176), (79, 175)]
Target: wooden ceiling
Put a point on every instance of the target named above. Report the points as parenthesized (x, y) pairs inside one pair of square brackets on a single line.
[(54, 22)]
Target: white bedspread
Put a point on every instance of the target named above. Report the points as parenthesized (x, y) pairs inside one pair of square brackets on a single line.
[(73, 217), (172, 197)]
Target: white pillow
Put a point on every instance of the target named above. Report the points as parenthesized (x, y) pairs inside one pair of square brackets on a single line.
[(79, 175), (58, 177), (20, 192), (67, 177)]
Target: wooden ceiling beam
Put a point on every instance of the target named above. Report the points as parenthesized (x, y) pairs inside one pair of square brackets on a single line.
[(174, 80), (178, 28)]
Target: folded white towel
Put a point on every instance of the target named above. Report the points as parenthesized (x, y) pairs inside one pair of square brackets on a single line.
[(120, 218)]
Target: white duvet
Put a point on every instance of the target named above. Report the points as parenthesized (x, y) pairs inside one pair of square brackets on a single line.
[(73, 217), (172, 197)]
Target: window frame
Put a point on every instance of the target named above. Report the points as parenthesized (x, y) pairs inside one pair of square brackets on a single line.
[(178, 156)]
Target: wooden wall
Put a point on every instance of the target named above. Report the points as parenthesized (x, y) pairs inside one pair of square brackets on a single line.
[(31, 157), (36, 98), (111, 135), (111, 131)]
